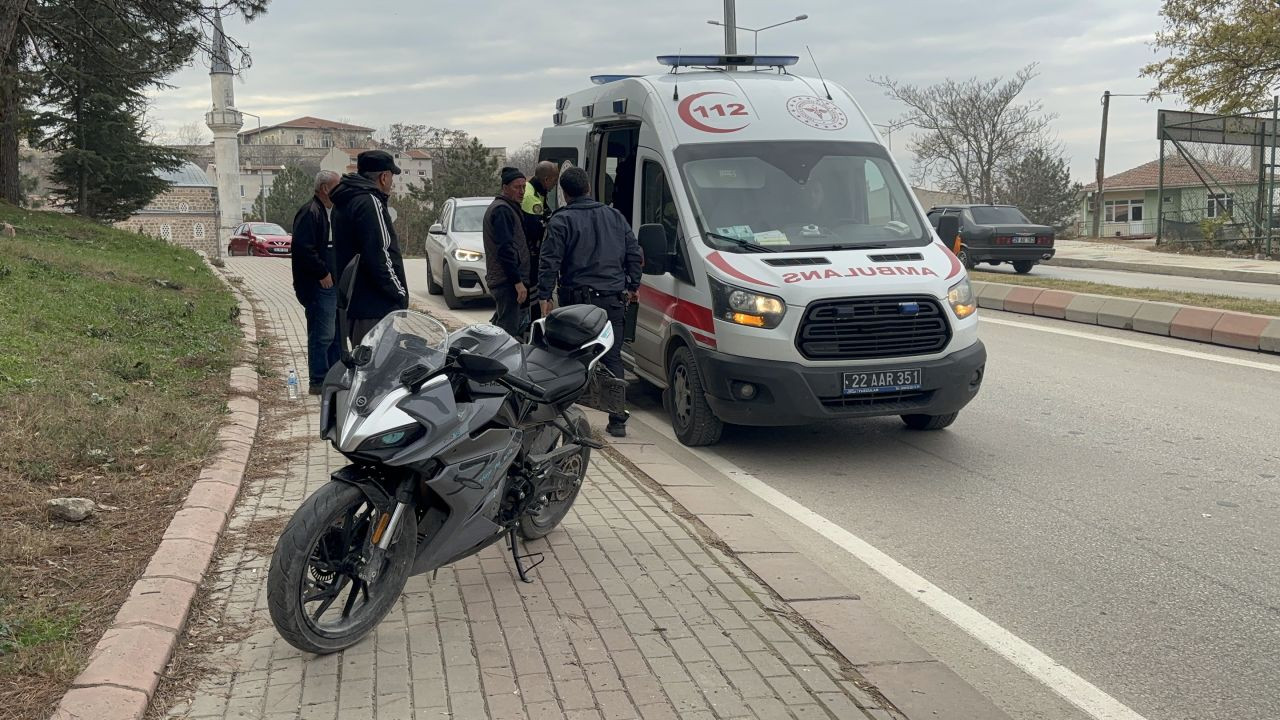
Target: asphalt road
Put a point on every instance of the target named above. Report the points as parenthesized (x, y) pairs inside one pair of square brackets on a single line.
[(1108, 499), (1140, 280)]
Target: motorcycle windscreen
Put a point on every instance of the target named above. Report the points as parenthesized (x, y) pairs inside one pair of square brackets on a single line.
[(402, 340)]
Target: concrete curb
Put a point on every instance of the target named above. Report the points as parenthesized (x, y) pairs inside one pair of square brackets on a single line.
[(904, 673), (126, 665), (1260, 277), (1260, 333)]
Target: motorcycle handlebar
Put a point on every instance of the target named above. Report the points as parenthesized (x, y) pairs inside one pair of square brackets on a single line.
[(525, 387)]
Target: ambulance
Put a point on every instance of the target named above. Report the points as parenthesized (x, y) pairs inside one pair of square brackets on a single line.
[(791, 276)]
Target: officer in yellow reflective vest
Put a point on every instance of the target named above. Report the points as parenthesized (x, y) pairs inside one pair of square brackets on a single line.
[(536, 213)]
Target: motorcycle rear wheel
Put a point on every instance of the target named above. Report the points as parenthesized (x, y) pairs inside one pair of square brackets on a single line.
[(317, 602), (541, 524)]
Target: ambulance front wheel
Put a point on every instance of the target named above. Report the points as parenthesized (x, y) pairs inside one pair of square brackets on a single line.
[(693, 420)]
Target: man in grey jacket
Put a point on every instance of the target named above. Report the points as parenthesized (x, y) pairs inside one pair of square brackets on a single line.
[(590, 252)]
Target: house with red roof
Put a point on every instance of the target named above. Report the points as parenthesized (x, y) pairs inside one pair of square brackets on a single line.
[(1192, 193), (310, 132)]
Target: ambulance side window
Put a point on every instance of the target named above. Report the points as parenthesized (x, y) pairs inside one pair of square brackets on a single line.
[(658, 206)]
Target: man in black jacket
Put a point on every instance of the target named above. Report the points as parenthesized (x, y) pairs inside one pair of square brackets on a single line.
[(508, 272), (314, 275), (590, 251), (362, 226)]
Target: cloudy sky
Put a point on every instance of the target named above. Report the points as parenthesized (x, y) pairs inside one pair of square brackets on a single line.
[(495, 67)]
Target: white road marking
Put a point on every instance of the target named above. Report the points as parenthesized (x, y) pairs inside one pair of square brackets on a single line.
[(1270, 367), (1073, 688)]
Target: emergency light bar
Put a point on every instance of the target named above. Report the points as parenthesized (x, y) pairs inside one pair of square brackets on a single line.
[(728, 60), (606, 79)]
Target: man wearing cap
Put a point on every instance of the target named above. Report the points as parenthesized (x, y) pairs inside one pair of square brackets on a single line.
[(363, 226), (508, 271)]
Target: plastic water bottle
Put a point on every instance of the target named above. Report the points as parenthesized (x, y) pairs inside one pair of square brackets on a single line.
[(292, 384)]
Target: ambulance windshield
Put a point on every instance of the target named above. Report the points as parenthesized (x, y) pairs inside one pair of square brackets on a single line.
[(784, 196)]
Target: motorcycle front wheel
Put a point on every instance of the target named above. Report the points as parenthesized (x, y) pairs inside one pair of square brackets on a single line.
[(540, 524), (317, 599)]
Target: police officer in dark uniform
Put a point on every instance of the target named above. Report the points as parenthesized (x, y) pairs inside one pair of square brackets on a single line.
[(590, 252)]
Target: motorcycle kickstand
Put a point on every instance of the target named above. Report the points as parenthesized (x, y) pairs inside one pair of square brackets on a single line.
[(516, 557)]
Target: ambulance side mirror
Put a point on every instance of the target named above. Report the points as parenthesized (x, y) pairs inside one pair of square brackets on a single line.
[(657, 250), (949, 232)]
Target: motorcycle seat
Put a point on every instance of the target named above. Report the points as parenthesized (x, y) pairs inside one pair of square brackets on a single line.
[(560, 375), (570, 327)]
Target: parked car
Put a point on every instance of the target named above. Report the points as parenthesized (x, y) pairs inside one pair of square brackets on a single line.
[(996, 234), (262, 240), (455, 252)]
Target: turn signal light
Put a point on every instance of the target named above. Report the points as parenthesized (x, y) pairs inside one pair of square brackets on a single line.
[(745, 319)]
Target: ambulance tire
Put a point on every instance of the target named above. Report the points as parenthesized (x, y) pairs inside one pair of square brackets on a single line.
[(929, 422), (696, 425)]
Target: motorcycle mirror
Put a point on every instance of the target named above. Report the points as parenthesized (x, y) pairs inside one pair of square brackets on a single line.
[(480, 368)]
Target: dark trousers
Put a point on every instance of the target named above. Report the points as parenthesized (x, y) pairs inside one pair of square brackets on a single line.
[(508, 315), (324, 345), (357, 328), (617, 311)]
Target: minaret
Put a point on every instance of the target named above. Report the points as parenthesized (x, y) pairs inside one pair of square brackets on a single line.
[(225, 122)]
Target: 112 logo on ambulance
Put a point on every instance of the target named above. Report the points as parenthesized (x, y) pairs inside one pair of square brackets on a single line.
[(714, 112)]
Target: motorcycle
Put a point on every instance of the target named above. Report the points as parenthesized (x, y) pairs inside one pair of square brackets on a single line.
[(455, 442)]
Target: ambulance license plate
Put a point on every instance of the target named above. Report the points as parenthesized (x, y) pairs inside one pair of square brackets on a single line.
[(884, 381)]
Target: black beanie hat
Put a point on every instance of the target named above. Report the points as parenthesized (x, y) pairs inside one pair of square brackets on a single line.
[(510, 175)]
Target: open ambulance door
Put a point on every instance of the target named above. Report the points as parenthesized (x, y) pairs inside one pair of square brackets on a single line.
[(563, 145)]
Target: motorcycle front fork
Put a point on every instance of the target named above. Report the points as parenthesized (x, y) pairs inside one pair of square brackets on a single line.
[(383, 533)]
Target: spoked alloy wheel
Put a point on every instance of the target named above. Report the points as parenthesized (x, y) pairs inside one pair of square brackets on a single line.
[(322, 590), (564, 493)]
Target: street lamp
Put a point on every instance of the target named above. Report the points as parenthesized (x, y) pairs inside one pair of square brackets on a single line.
[(262, 181), (756, 32), (889, 129)]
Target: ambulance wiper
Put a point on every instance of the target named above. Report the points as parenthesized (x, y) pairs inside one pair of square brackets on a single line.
[(846, 246), (744, 244)]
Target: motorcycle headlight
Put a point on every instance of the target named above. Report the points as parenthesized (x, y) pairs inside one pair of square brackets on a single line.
[(467, 255), (744, 307), (962, 300), (395, 438)]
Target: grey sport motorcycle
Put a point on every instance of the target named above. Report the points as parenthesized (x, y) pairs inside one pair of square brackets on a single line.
[(456, 442)]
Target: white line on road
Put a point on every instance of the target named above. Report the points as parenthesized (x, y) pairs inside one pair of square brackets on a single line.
[(1270, 367), (1073, 688)]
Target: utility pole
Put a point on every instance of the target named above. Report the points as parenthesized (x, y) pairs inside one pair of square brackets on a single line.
[(730, 29), (1102, 159)]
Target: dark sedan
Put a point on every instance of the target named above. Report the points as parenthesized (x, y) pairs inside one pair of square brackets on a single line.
[(996, 234)]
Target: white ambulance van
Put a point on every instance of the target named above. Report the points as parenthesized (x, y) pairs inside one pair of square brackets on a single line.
[(791, 276)]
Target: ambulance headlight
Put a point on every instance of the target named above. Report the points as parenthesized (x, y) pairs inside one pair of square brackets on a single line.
[(963, 302), (746, 307)]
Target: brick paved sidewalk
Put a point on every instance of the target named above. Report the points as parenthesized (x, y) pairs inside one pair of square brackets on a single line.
[(632, 615)]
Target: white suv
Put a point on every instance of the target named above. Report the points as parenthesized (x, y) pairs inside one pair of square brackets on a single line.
[(455, 252)]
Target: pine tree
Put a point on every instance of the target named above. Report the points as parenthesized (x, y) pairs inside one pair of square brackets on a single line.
[(291, 189), (91, 112), (462, 169), (1040, 185)]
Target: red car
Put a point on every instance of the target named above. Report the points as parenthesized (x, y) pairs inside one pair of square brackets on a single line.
[(261, 240)]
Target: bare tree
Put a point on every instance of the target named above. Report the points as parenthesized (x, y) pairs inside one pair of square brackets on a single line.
[(525, 157), (973, 129), (1224, 155)]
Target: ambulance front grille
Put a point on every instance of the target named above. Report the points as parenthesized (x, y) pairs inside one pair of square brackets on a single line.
[(873, 327)]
